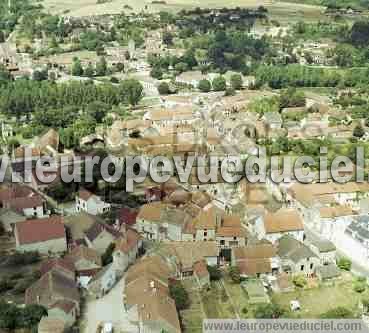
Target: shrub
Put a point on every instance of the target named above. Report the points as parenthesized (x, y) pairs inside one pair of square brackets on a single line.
[(344, 264), (204, 86)]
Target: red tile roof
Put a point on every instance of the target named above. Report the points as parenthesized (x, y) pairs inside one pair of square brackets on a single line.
[(50, 264), (19, 204), (40, 230), (128, 241)]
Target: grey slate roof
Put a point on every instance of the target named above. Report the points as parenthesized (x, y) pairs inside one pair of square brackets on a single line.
[(323, 245), (290, 248)]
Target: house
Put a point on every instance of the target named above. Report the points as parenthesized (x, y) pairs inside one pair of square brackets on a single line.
[(103, 281), (126, 250), (256, 259), (146, 297), (90, 203), (304, 196), (255, 291), (327, 272), (42, 235), (99, 236), (23, 200), (285, 221), (230, 233), (273, 120), (62, 266), (359, 230), (9, 217), (31, 206), (87, 262), (78, 224), (191, 78), (296, 257), (323, 248), (58, 294), (186, 255), (159, 221), (65, 310)]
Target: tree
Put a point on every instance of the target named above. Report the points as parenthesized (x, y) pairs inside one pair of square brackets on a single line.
[(219, 84), (236, 81), (215, 273), (360, 33), (234, 273), (89, 71), (156, 73), (339, 312), (167, 38), (358, 131), (101, 67), (163, 88), (268, 311), (204, 86), (2, 36), (344, 264), (77, 69), (40, 75), (119, 67), (132, 90), (180, 295), (97, 110), (107, 257)]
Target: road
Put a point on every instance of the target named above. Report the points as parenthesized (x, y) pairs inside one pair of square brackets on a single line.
[(108, 309)]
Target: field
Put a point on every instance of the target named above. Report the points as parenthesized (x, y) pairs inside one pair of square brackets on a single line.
[(280, 10)]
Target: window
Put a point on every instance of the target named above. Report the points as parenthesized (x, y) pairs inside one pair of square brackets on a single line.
[(311, 266), (222, 242), (205, 233), (302, 267)]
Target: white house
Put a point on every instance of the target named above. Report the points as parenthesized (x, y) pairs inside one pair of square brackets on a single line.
[(90, 203), (42, 235), (285, 221)]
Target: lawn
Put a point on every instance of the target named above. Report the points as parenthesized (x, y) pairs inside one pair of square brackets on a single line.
[(217, 303), (193, 316), (317, 301)]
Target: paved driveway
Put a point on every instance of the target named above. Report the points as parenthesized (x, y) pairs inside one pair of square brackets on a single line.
[(108, 309)]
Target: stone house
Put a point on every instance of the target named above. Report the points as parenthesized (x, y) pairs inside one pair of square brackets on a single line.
[(273, 120), (230, 233), (126, 250), (296, 257), (87, 263), (42, 235), (90, 203), (185, 255), (57, 293), (255, 260), (99, 236), (323, 248)]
